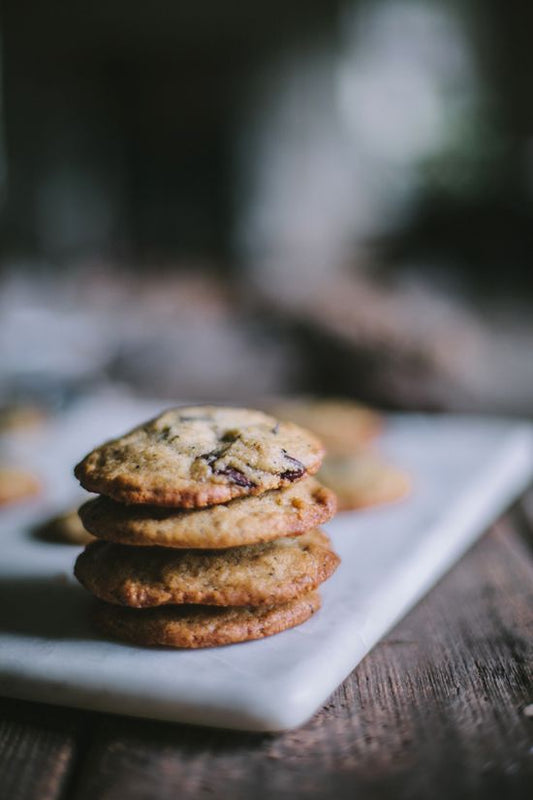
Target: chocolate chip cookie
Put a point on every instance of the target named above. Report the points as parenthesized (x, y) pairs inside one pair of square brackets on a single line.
[(246, 520), (261, 574), (202, 626), (196, 456)]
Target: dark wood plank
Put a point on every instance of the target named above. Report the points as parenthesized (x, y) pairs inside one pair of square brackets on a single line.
[(436, 710), (38, 745)]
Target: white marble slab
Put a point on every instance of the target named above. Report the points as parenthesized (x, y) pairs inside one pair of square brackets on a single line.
[(465, 470)]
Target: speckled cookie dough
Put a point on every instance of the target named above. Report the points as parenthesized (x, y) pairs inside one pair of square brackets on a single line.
[(201, 455), (246, 520)]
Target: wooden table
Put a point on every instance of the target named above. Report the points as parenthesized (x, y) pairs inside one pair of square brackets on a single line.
[(441, 708)]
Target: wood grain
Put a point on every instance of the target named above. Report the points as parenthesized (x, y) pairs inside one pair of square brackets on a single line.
[(37, 749), (436, 710)]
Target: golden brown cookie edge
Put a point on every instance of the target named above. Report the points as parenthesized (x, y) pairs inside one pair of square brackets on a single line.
[(121, 531), (204, 495), (155, 627), (129, 591)]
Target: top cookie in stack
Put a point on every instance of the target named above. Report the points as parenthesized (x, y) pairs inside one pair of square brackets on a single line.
[(199, 456), (211, 479)]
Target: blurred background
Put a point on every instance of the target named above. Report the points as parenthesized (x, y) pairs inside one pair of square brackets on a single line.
[(229, 201)]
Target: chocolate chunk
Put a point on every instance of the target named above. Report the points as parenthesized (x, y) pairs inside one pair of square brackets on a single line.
[(236, 476), (230, 436), (291, 474), (296, 472)]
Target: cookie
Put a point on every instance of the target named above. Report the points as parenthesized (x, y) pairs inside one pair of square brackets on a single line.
[(202, 626), (201, 455), (260, 574), (343, 426), (17, 485), (364, 480), (65, 528), (20, 418), (247, 520)]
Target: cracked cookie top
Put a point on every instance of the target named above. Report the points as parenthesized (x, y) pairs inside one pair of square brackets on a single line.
[(195, 456)]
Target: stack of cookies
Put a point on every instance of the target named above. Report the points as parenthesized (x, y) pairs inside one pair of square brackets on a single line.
[(207, 528)]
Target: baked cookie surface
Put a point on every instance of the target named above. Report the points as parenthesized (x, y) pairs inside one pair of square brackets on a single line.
[(364, 480), (261, 574), (201, 626), (200, 455), (246, 520), (343, 426)]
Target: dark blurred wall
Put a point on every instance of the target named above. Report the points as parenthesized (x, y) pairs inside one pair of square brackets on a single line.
[(481, 225), (119, 118), (122, 122)]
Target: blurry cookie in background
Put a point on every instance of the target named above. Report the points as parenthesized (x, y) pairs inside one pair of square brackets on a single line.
[(363, 480), (17, 485), (357, 474), (20, 418), (344, 426), (64, 528)]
